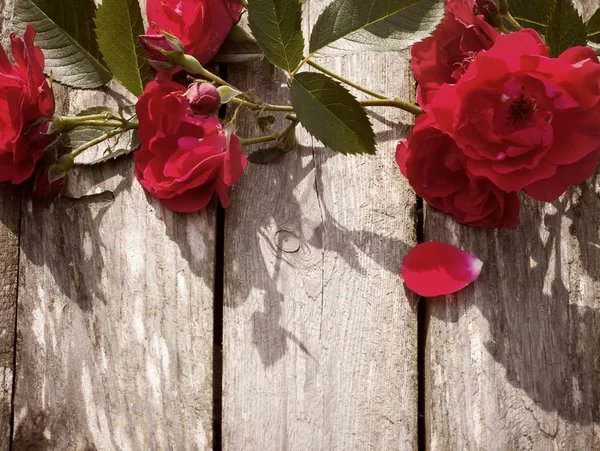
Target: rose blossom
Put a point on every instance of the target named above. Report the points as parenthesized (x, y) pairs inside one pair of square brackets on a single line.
[(524, 120), (201, 25), (25, 97), (433, 165), (445, 55), (184, 159)]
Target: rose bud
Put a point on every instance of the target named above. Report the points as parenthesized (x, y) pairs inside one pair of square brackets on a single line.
[(159, 47), (204, 98)]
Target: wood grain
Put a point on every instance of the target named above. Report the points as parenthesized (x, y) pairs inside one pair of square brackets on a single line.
[(10, 199), (10, 202), (513, 361), (319, 338), (115, 314)]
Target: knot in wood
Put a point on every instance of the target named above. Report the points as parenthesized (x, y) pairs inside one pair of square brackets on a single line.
[(287, 241)]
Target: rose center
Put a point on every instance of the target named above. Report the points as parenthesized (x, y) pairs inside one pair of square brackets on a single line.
[(521, 109)]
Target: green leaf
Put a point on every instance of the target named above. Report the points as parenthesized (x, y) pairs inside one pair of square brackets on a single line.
[(276, 25), (331, 114), (593, 28), (264, 156), (532, 13), (350, 26), (118, 26), (565, 28), (108, 150), (66, 35)]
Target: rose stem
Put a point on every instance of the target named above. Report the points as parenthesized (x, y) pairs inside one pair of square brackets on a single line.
[(396, 103), (262, 106), (344, 80), (104, 137), (513, 21), (264, 139)]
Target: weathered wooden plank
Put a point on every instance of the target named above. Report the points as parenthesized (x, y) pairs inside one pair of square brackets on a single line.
[(10, 201), (115, 322), (115, 314), (513, 362), (319, 338)]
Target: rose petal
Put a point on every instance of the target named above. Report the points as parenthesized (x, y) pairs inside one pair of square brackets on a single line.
[(434, 269)]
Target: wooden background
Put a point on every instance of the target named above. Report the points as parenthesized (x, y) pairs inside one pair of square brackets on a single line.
[(283, 324)]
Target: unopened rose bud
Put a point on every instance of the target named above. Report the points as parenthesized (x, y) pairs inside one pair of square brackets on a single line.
[(204, 98), (160, 48)]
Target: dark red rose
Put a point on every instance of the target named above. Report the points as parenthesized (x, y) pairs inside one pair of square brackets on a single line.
[(25, 97), (524, 120), (445, 56), (433, 165), (201, 25), (184, 159)]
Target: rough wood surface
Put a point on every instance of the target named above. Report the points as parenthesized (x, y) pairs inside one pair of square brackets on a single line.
[(115, 314), (9, 268), (115, 322), (10, 201), (514, 359), (319, 338)]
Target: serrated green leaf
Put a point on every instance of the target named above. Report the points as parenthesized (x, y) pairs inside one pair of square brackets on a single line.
[(593, 28), (565, 28), (66, 35), (263, 156), (331, 114), (276, 26), (118, 26), (532, 13), (351, 26), (108, 150)]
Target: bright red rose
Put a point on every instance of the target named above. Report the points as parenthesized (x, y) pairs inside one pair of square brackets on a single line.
[(25, 97), (201, 25), (524, 120), (184, 159), (444, 56), (433, 165)]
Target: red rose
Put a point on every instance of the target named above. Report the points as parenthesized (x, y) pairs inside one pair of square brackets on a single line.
[(434, 167), (444, 56), (201, 25), (25, 97), (183, 158), (524, 120)]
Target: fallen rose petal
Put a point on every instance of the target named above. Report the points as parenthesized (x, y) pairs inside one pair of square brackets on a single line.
[(434, 269)]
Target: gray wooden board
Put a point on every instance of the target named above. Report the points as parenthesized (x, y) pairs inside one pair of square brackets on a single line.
[(513, 361), (115, 314), (320, 340), (10, 200), (9, 267)]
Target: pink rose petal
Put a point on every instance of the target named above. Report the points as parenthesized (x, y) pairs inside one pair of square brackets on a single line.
[(434, 269)]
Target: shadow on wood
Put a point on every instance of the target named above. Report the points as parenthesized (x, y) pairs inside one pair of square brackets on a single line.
[(539, 299)]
